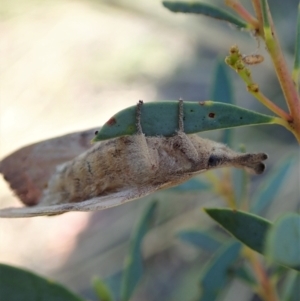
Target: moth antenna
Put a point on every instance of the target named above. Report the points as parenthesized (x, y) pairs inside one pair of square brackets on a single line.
[(138, 117), (180, 116)]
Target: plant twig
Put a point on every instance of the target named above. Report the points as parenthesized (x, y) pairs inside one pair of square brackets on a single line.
[(258, 13), (226, 189), (295, 74), (242, 12), (223, 187), (234, 60), (283, 74), (266, 289), (255, 91)]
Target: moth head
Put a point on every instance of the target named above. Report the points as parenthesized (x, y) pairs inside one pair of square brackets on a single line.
[(221, 156)]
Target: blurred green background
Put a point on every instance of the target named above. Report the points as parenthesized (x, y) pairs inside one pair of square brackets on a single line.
[(70, 65)]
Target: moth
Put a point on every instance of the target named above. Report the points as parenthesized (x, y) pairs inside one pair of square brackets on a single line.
[(67, 174)]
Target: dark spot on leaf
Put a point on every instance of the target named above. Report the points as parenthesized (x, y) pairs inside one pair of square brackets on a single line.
[(241, 118), (96, 133), (191, 111), (201, 103), (211, 115), (111, 121)]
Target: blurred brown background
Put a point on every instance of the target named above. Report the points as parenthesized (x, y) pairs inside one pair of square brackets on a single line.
[(70, 65)]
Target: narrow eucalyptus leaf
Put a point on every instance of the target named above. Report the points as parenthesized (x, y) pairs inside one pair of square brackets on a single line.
[(133, 269), (200, 239), (248, 228), (291, 287), (222, 87), (204, 9), (215, 275), (17, 284), (161, 119), (222, 92), (102, 290), (271, 187)]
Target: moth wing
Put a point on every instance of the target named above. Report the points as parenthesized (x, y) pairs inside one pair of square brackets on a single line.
[(28, 169), (97, 203)]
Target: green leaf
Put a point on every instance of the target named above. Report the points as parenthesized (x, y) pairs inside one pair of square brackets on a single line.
[(222, 87), (200, 239), (17, 284), (204, 9), (283, 242), (161, 119), (248, 228), (245, 274), (271, 187), (291, 287), (215, 274), (222, 92), (133, 269), (114, 282), (101, 289)]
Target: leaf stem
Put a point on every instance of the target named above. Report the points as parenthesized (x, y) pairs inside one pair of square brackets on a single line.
[(223, 187), (285, 80), (226, 189), (266, 289), (242, 12), (254, 90), (295, 74), (257, 8)]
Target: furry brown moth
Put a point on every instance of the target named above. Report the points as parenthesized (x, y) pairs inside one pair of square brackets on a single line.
[(82, 178)]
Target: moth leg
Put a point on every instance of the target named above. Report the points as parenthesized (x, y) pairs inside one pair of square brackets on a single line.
[(180, 116), (138, 117), (144, 160), (182, 140)]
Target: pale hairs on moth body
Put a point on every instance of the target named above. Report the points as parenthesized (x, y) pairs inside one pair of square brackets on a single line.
[(122, 169)]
